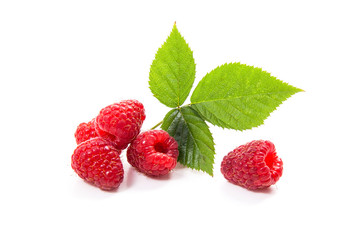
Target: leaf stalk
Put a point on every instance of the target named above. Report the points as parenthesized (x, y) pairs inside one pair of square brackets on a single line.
[(156, 125)]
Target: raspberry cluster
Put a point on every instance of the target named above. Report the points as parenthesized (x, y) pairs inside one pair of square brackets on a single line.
[(100, 142), (96, 159)]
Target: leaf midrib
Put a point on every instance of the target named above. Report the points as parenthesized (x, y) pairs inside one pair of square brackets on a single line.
[(190, 133), (242, 96)]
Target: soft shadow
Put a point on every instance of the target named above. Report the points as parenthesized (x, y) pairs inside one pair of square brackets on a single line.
[(268, 190), (133, 173), (246, 196), (137, 180), (83, 189), (161, 178), (180, 166), (129, 177)]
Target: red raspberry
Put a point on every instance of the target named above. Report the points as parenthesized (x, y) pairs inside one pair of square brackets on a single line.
[(254, 165), (153, 152), (98, 162), (120, 122), (85, 131)]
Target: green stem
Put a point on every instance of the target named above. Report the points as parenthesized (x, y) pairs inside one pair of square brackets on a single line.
[(185, 105), (156, 125)]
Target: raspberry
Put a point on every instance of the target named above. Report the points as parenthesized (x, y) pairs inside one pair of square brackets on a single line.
[(85, 131), (153, 152), (121, 122), (98, 162), (254, 165)]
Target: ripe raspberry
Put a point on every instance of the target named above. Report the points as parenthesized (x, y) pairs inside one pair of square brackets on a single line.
[(120, 122), (254, 165), (98, 162), (85, 131), (153, 152)]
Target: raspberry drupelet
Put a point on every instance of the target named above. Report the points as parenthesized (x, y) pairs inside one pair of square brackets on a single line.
[(85, 131), (153, 152), (120, 122), (98, 162), (254, 165)]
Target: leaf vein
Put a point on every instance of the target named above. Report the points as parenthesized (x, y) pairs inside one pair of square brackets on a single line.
[(238, 97)]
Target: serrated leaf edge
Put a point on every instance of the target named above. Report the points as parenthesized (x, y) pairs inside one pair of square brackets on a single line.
[(212, 159), (226, 125), (178, 88)]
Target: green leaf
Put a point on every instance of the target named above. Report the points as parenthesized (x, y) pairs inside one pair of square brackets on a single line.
[(196, 145), (238, 96), (172, 73)]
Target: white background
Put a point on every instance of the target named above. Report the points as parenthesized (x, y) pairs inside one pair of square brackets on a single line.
[(62, 61)]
